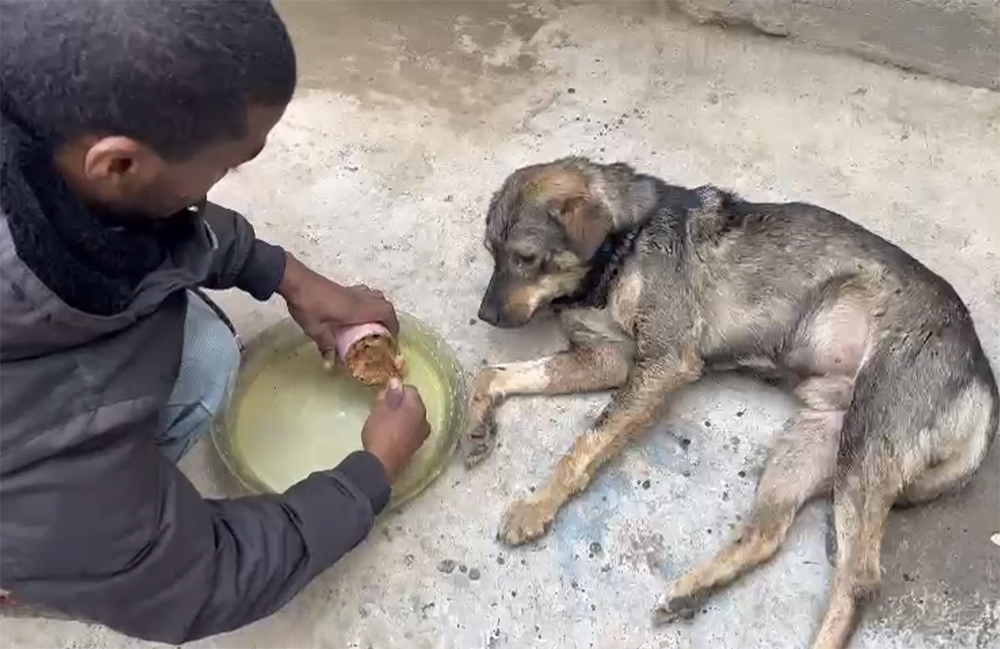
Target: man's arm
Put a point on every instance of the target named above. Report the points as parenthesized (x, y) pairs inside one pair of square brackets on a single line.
[(242, 260), (131, 543), (318, 304)]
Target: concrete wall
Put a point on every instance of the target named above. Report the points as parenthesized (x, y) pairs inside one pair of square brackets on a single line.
[(957, 40)]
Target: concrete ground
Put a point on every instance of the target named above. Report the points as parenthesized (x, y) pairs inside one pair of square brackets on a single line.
[(953, 39), (409, 117)]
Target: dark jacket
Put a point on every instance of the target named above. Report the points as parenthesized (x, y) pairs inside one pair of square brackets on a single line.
[(94, 521)]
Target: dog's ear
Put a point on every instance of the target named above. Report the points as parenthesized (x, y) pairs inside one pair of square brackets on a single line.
[(586, 224)]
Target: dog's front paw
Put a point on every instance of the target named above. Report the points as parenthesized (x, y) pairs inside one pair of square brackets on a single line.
[(524, 521), (676, 607), (480, 436), (479, 442)]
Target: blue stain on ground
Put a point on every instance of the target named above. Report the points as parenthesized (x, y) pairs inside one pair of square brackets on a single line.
[(668, 444), (660, 448), (585, 520), (613, 493), (579, 530)]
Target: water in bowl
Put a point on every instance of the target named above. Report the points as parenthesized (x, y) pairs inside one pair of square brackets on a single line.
[(295, 417)]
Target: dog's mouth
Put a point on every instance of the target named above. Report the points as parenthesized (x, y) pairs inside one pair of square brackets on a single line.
[(508, 305), (501, 318), (507, 324)]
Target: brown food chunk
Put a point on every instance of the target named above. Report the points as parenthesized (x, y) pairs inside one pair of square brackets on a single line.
[(374, 360)]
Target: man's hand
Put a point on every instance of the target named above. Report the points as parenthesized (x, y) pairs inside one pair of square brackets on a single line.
[(396, 428), (321, 306)]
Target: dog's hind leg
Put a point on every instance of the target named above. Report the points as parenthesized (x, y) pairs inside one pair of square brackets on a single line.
[(800, 467), (582, 369), (632, 411), (866, 487), (878, 448), (905, 438)]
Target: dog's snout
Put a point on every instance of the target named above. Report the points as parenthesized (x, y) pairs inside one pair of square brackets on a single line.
[(489, 313), (490, 310)]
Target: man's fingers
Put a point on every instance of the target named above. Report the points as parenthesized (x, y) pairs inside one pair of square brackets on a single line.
[(325, 339), (394, 394)]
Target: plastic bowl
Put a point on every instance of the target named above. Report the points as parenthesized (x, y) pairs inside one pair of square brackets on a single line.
[(289, 416)]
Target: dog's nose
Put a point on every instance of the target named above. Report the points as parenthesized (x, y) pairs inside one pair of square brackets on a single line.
[(488, 313)]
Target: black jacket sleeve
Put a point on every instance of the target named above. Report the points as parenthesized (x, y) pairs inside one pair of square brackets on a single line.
[(241, 259), (138, 549), (257, 553)]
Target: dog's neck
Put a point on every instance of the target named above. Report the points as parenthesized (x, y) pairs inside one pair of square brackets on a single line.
[(633, 205), (604, 269)]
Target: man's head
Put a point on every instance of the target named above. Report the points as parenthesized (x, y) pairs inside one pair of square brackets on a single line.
[(145, 104)]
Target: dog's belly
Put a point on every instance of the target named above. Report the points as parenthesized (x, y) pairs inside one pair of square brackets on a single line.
[(829, 351), (823, 357), (832, 341), (835, 340)]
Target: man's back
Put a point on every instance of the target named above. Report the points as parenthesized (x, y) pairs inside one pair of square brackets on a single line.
[(94, 514)]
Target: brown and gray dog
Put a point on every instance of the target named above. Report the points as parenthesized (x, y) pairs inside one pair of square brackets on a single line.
[(657, 285)]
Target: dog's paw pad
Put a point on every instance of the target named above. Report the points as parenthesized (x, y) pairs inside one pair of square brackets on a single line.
[(671, 609)]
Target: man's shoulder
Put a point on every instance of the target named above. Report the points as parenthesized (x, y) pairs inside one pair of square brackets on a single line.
[(35, 321)]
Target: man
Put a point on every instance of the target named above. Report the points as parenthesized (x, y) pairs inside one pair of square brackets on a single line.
[(118, 116)]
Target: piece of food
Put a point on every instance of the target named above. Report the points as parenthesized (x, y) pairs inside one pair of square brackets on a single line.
[(375, 359), (369, 352)]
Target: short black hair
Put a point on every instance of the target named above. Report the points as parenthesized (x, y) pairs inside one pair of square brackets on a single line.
[(176, 75)]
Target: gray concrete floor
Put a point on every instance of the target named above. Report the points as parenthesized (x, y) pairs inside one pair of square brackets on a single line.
[(410, 116)]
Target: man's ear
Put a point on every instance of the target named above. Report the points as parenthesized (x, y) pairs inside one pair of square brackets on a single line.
[(586, 224), (119, 161)]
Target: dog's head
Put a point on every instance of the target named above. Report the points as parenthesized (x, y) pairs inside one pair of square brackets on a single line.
[(542, 229)]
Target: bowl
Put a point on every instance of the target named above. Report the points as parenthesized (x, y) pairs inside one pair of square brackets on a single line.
[(289, 416)]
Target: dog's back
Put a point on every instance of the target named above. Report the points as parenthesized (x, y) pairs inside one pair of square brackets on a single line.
[(814, 293)]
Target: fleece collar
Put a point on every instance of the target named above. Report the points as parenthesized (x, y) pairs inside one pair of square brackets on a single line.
[(92, 265)]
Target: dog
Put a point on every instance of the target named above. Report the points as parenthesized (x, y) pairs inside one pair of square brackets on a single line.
[(657, 285)]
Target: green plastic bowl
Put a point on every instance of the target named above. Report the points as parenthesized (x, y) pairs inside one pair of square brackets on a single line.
[(288, 416)]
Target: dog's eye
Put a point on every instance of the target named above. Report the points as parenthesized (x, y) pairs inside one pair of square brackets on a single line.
[(526, 259)]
